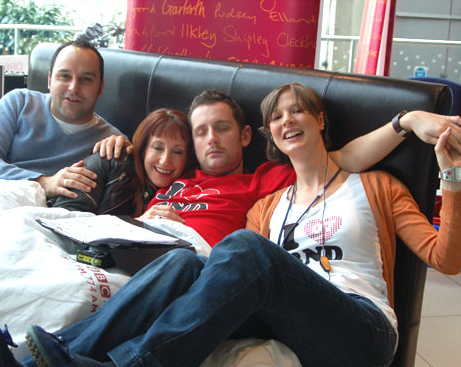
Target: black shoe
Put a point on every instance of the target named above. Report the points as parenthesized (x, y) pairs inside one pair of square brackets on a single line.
[(6, 357), (49, 350)]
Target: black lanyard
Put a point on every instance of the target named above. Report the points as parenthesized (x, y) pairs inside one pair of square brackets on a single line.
[(305, 212)]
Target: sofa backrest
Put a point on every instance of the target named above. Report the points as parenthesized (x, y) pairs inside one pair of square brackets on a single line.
[(137, 83)]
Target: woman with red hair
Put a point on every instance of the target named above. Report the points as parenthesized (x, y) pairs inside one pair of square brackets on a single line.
[(125, 185)]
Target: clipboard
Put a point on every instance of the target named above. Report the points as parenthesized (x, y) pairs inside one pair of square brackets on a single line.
[(113, 251)]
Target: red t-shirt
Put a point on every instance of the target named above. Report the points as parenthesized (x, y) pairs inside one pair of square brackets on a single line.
[(216, 206)]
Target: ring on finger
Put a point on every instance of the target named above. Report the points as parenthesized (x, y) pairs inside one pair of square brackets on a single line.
[(158, 217), (65, 182)]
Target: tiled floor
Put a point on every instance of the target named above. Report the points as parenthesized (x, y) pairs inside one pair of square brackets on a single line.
[(439, 342)]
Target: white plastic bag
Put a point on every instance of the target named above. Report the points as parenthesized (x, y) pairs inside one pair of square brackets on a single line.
[(21, 193), (40, 283)]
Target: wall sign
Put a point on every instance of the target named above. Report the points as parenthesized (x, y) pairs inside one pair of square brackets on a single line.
[(15, 63), (272, 32), (420, 71)]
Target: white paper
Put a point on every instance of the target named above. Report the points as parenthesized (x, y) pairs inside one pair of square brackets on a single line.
[(105, 229)]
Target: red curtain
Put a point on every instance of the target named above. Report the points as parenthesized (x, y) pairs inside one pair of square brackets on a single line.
[(374, 50), (276, 32)]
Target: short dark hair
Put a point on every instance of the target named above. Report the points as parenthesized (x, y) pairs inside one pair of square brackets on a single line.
[(308, 99), (82, 44), (210, 96)]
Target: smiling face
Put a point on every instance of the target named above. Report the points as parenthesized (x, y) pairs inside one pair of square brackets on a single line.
[(295, 131), (75, 85), (218, 140), (165, 159)]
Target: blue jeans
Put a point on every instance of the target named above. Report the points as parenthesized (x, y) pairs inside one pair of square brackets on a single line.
[(179, 308)]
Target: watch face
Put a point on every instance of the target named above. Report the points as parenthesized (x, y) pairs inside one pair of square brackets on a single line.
[(452, 174)]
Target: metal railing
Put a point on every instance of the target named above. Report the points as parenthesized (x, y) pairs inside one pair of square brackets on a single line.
[(414, 41), (35, 27)]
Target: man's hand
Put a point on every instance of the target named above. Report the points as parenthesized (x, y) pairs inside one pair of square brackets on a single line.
[(430, 126), (113, 146), (75, 177), (162, 211)]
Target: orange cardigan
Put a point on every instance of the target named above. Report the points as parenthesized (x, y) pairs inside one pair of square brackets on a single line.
[(396, 213)]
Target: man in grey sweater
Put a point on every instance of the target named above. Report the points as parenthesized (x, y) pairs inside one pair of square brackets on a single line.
[(44, 137)]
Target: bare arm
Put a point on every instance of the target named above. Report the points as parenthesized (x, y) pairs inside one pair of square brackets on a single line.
[(365, 151)]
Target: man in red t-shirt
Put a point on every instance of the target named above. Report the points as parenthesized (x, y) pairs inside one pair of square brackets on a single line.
[(215, 199)]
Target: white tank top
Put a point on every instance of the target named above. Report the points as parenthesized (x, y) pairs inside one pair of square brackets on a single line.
[(351, 241)]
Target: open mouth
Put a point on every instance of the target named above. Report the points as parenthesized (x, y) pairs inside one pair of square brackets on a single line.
[(163, 171), (72, 100), (292, 134)]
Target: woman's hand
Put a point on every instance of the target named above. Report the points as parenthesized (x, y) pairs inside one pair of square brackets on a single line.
[(447, 157), (162, 211), (429, 126)]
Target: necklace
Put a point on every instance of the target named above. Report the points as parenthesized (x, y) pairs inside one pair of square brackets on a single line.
[(323, 259)]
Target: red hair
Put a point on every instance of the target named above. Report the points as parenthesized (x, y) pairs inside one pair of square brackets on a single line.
[(161, 122)]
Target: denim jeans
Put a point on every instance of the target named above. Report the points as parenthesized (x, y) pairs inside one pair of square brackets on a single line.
[(179, 308)]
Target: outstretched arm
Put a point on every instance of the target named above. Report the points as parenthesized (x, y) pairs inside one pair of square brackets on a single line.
[(365, 151), (443, 251)]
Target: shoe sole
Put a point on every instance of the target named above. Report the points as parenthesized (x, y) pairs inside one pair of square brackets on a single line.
[(36, 349)]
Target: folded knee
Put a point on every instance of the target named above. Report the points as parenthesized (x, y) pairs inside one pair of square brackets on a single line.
[(178, 259), (245, 235), (185, 257), (243, 240)]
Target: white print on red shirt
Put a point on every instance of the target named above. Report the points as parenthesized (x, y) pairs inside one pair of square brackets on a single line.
[(190, 194)]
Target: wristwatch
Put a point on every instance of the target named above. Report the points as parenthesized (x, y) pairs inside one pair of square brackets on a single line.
[(452, 174), (396, 124)]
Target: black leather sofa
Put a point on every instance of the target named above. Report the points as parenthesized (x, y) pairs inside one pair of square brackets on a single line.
[(137, 83)]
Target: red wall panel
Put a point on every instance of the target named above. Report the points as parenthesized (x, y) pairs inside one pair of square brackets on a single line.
[(259, 31)]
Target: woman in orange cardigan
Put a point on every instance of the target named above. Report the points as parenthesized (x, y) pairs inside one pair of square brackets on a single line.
[(343, 225)]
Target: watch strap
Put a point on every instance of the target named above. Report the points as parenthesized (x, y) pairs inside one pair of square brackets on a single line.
[(397, 127)]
